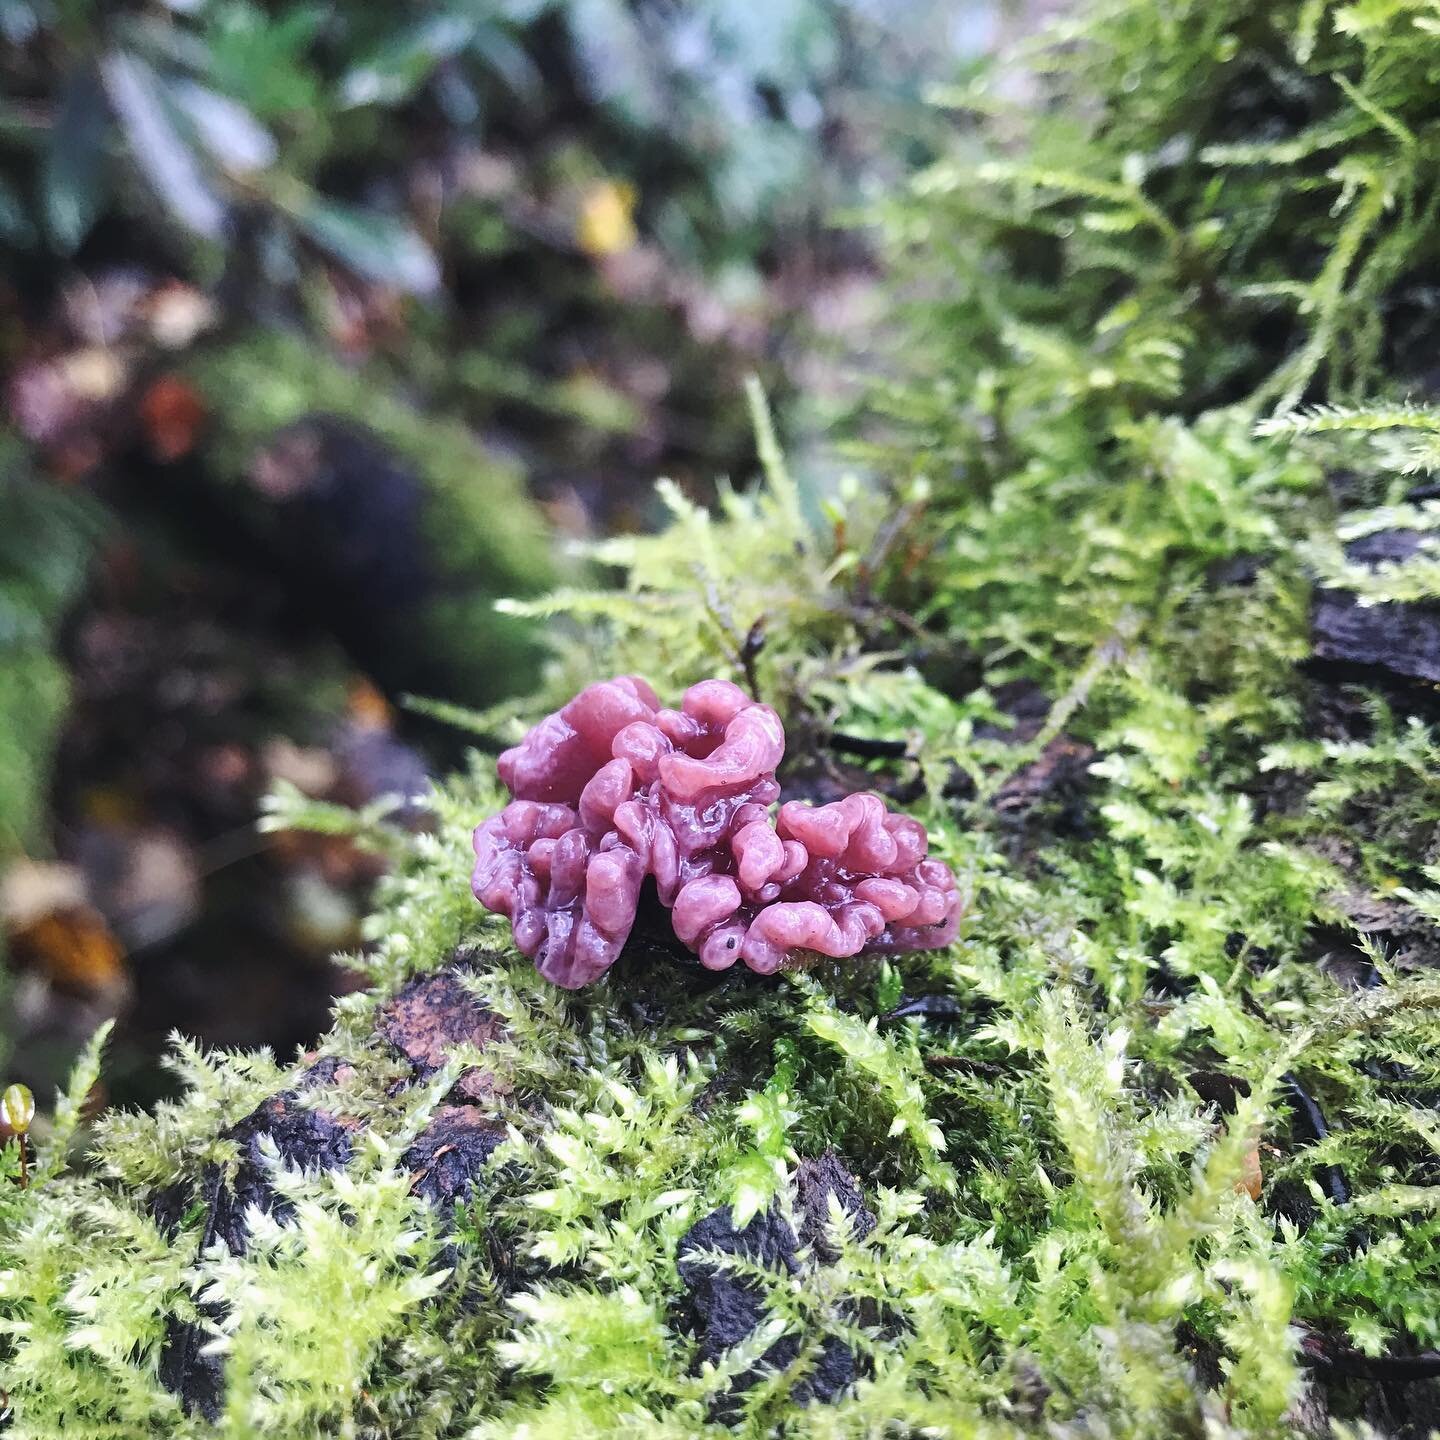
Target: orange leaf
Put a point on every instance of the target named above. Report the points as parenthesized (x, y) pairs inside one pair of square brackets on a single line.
[(1252, 1178), (73, 949), (172, 413)]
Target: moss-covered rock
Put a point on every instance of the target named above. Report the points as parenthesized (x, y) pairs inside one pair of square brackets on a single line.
[(400, 529)]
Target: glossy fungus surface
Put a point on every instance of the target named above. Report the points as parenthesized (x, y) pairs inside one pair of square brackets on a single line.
[(615, 789)]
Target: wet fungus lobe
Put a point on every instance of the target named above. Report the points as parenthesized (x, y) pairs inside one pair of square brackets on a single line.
[(613, 789)]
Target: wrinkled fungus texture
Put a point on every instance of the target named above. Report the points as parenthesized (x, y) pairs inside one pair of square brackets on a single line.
[(613, 789)]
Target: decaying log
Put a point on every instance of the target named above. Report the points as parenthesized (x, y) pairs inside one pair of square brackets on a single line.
[(723, 1308), (1395, 641)]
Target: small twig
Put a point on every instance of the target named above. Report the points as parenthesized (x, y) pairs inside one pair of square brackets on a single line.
[(743, 651), (1332, 1177), (881, 546), (932, 1007), (864, 614), (863, 747), (1346, 1361), (750, 650), (963, 1062)]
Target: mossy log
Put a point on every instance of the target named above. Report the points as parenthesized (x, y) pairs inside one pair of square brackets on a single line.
[(399, 531), (312, 1126), (1396, 641)]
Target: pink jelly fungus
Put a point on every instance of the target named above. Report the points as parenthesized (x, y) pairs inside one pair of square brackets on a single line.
[(614, 789)]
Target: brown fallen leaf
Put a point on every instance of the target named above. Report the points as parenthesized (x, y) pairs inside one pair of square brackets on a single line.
[(172, 413), (368, 707), (74, 950), (1252, 1178)]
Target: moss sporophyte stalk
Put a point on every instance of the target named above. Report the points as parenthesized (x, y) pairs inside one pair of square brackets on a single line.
[(1149, 1149), (17, 1112)]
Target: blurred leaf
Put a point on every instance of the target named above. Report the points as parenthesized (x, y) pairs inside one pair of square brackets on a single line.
[(376, 246), (263, 57), (73, 179), (457, 98), (165, 45), (395, 70), (15, 224), (524, 12), (504, 54), (615, 59), (47, 536), (18, 21), (226, 128), (166, 160)]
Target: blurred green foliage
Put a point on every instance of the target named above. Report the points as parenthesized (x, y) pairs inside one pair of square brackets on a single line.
[(46, 539), (273, 123)]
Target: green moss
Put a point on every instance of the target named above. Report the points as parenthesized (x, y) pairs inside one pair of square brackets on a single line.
[(1063, 1168), (33, 695), (46, 540)]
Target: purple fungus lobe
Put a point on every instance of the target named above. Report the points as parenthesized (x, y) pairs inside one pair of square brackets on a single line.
[(614, 789)]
